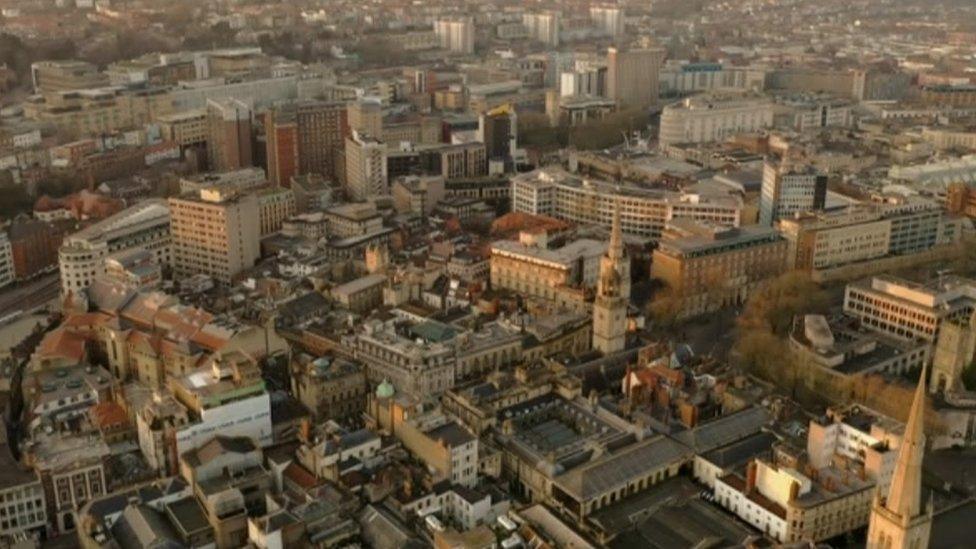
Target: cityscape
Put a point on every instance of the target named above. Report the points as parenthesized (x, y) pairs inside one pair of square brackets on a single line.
[(488, 274)]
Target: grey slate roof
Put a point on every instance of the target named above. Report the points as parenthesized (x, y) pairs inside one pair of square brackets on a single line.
[(724, 430), (610, 471), (141, 526)]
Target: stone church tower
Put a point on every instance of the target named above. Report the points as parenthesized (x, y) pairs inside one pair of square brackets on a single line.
[(898, 521), (612, 293)]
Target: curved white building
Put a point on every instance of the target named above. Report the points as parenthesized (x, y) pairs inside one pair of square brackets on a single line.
[(143, 226), (714, 117)]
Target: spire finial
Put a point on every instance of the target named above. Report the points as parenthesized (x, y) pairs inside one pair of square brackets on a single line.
[(905, 495)]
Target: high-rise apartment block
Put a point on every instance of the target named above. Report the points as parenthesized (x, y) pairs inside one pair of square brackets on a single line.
[(456, 35), (366, 174), (632, 75), (498, 130), (281, 133), (275, 205), (788, 190), (215, 232), (543, 27), (609, 19), (322, 130), (6, 260), (366, 117), (586, 79), (229, 135)]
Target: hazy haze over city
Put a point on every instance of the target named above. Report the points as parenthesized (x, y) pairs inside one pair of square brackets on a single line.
[(487, 274)]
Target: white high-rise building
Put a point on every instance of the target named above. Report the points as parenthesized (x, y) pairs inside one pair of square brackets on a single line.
[(585, 80), (6, 260), (609, 19), (543, 27), (456, 35), (215, 232), (366, 172)]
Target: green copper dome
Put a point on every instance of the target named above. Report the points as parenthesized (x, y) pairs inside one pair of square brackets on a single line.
[(384, 390)]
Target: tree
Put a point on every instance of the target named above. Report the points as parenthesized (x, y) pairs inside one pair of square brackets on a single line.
[(665, 309), (965, 263), (15, 200), (969, 377), (380, 52), (766, 356), (761, 346), (773, 307), (534, 130)]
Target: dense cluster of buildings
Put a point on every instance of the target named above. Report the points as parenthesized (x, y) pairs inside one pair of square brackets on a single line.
[(443, 275)]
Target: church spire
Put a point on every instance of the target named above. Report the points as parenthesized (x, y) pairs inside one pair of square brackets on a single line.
[(612, 293), (616, 248), (905, 495)]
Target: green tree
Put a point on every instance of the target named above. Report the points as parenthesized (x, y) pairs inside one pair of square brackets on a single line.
[(15, 200), (969, 377)]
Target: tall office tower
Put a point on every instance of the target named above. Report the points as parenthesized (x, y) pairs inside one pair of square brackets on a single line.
[(366, 174), (366, 117), (214, 232), (322, 131), (612, 293), (543, 27), (790, 189), (228, 135), (898, 520), (609, 19), (632, 75), (498, 130), (456, 35), (281, 132)]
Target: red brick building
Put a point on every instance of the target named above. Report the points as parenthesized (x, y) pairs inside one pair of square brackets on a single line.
[(34, 245)]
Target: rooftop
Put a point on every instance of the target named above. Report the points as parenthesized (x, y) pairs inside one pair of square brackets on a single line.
[(153, 211), (619, 468), (562, 257), (724, 430), (713, 239)]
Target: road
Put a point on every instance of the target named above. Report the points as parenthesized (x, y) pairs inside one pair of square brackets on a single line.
[(28, 295), (710, 335)]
